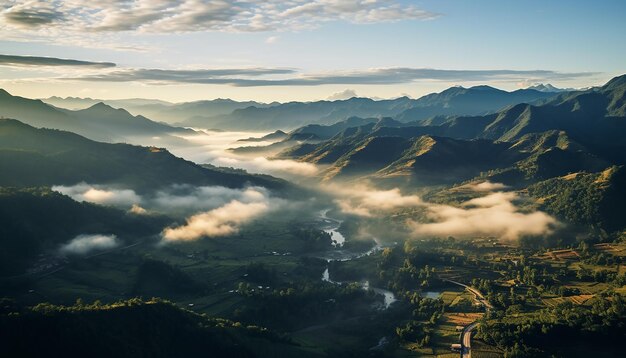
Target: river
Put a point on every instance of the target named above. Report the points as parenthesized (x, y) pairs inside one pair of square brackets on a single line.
[(331, 226)]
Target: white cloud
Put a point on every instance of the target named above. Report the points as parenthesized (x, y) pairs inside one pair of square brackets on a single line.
[(161, 16), (99, 194), (35, 61), (211, 147), (271, 40), (258, 76), (84, 244), (213, 210), (137, 210), (176, 199), (222, 221), (364, 201), (186, 198), (494, 214), (491, 215), (281, 167), (487, 186), (346, 94), (227, 218)]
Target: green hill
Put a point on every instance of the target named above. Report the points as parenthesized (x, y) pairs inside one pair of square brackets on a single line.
[(575, 131), (597, 199), (594, 118), (437, 160), (131, 328), (98, 122), (35, 220), (35, 157)]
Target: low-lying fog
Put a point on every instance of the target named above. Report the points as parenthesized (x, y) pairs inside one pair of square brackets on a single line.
[(211, 147), (211, 211)]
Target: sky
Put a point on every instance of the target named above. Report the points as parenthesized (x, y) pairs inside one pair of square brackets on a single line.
[(185, 50)]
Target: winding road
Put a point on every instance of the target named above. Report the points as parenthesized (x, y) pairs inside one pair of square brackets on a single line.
[(466, 335)]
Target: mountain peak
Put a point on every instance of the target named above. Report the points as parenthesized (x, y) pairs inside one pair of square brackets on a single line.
[(100, 106), (615, 82), (484, 88), (104, 108), (453, 90), (547, 87)]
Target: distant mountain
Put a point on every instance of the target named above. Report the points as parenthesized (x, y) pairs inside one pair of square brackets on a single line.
[(161, 110), (549, 88), (318, 131), (308, 135), (199, 111), (99, 122), (250, 115), (468, 101), (522, 144), (453, 101), (274, 136), (595, 118), (296, 114), (36, 157), (75, 103)]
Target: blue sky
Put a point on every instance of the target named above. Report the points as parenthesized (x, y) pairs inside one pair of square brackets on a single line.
[(320, 47)]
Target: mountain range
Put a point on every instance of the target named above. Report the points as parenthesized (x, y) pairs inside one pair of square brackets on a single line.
[(249, 115), (161, 110), (98, 122), (45, 157), (574, 131), (453, 101)]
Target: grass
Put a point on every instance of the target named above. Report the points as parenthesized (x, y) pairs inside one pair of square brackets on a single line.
[(453, 295), (578, 300), (446, 332)]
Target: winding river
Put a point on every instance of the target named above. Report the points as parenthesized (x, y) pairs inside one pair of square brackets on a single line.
[(331, 226)]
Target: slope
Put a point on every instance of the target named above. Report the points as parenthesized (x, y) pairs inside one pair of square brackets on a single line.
[(132, 328), (34, 157), (99, 122)]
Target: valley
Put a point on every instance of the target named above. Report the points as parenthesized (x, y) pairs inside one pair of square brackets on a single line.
[(469, 221)]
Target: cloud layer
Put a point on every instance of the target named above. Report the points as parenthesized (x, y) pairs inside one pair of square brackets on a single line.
[(225, 219), (178, 199), (11, 60), (186, 198), (200, 76), (256, 77), (210, 210), (32, 14), (211, 147), (160, 16), (491, 215), (487, 186), (368, 202), (222, 221), (345, 94), (84, 244), (99, 194), (279, 167)]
